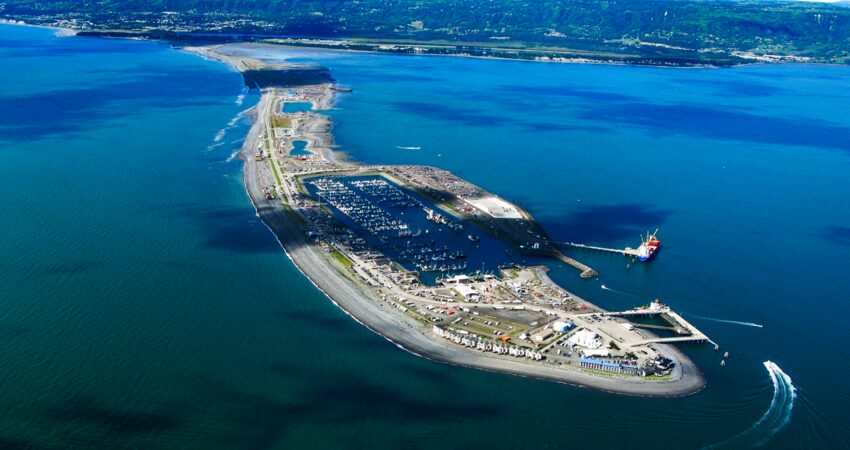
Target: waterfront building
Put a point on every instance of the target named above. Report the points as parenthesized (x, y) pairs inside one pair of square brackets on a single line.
[(607, 365)]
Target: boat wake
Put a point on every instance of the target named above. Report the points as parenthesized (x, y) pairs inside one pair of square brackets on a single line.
[(617, 291), (407, 148), (734, 322), (776, 416)]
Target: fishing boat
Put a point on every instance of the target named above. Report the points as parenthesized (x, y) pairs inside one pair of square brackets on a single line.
[(457, 255)]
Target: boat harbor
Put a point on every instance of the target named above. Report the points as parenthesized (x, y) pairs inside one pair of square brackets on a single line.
[(407, 227)]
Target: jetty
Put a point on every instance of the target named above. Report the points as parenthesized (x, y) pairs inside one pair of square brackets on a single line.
[(628, 251), (649, 246), (586, 271), (687, 332)]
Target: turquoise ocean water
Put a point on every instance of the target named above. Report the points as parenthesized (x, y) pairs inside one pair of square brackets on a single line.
[(145, 306)]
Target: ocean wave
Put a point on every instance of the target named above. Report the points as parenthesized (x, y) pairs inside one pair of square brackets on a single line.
[(233, 155), (230, 125), (774, 419), (214, 146)]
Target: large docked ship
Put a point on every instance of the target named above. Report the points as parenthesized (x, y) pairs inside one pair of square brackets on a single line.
[(649, 246)]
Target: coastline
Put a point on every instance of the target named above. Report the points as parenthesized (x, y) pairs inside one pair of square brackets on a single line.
[(135, 35), (60, 31), (406, 333)]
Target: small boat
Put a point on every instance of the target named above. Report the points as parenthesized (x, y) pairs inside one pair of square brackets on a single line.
[(473, 238), (457, 255)]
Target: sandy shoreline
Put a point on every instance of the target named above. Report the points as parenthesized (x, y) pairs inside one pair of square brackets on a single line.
[(408, 334)]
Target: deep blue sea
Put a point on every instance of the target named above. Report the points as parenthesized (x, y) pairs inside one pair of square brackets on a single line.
[(144, 305)]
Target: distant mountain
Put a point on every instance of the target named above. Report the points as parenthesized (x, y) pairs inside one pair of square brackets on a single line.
[(597, 28)]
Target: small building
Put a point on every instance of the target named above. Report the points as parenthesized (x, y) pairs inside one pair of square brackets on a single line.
[(659, 365), (467, 291), (656, 305), (458, 279), (542, 335), (561, 326)]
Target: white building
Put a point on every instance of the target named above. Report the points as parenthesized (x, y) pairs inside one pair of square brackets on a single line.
[(561, 326), (467, 291), (585, 338), (458, 279)]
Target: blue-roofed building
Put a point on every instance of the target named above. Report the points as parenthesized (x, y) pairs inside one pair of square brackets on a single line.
[(608, 365)]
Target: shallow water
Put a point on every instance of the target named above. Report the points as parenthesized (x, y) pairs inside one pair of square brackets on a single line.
[(144, 305), (299, 148), (295, 107)]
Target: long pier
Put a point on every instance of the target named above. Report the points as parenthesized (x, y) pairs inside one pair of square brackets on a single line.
[(626, 251)]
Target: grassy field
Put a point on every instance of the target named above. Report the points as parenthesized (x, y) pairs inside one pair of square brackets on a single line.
[(275, 172), (281, 122), (608, 374), (342, 259)]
